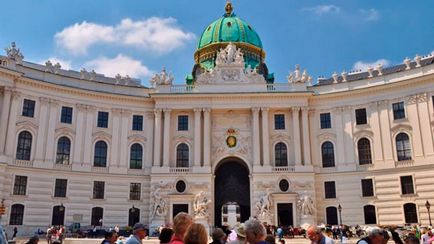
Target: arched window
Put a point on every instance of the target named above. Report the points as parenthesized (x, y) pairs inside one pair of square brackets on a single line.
[(136, 156), (410, 213), (58, 215), (332, 215), (328, 155), (133, 216), (370, 216), (280, 155), (63, 150), (17, 214), (24, 146), (97, 215), (182, 155), (100, 157), (403, 148), (364, 149)]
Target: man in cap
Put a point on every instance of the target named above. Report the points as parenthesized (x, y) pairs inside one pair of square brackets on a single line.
[(241, 235), (139, 233)]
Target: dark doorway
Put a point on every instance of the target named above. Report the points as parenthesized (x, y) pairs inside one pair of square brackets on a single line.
[(133, 216), (58, 215), (284, 214), (331, 215), (177, 208), (232, 184)]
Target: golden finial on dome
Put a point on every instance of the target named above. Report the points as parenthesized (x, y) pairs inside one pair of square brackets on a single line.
[(228, 8)]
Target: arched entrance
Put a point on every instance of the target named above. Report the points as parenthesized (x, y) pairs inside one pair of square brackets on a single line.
[(231, 185)]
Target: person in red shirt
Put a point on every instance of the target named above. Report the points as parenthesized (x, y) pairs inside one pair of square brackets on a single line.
[(181, 223)]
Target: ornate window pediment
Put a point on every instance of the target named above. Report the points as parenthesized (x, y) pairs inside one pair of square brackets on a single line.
[(363, 133), (28, 125), (102, 135), (401, 128), (326, 136), (65, 131), (137, 137)]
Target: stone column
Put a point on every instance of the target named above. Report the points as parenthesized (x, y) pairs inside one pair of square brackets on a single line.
[(149, 130), (88, 137), (386, 137), (339, 128), (11, 132), (157, 137), (373, 116), (306, 135), (265, 138), (6, 103), (77, 157), (123, 163), (49, 152), (349, 147), (413, 119), (42, 129), (296, 132), (255, 132), (166, 138), (424, 117), (115, 143), (197, 136), (207, 137)]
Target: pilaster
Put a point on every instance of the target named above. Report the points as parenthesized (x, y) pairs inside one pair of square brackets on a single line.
[(296, 132), (166, 138)]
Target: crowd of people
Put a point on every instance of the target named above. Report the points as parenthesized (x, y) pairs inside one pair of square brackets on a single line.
[(185, 231)]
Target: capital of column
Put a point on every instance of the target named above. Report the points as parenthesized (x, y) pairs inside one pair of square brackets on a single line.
[(295, 109), (126, 112), (44, 100), (255, 110), (81, 107), (8, 89), (150, 115), (305, 109), (90, 108), (16, 94), (197, 110), (167, 110), (116, 111), (265, 109), (206, 110), (54, 101), (157, 111)]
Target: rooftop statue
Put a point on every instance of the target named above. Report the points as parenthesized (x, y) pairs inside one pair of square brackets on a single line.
[(14, 53), (297, 76), (230, 55), (162, 78)]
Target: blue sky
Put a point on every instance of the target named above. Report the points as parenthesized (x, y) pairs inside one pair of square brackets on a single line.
[(140, 37)]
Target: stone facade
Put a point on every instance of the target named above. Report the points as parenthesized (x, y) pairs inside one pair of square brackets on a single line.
[(231, 102)]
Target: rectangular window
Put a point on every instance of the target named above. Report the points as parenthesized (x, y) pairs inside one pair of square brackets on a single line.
[(182, 122), (103, 118), (407, 185), (329, 189), (361, 116), (98, 189), (135, 189), (66, 115), (20, 185), (367, 188), (138, 122), (398, 110), (28, 108), (279, 121), (326, 122), (60, 188)]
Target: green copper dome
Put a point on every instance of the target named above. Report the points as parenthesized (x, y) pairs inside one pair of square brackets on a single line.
[(229, 29), (225, 30)]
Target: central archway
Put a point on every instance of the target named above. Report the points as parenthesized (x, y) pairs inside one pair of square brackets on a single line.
[(231, 185)]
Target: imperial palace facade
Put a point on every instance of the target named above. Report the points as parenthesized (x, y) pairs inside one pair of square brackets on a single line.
[(77, 147)]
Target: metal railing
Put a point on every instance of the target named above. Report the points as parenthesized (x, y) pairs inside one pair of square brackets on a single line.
[(283, 169), (179, 170)]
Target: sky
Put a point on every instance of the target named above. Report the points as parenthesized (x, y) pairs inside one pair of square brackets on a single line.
[(139, 37)]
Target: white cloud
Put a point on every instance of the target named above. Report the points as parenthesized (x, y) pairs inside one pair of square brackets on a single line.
[(361, 65), (161, 35), (120, 64), (323, 9), (370, 14), (66, 64)]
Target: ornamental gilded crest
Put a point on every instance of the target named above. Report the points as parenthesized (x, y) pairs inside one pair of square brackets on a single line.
[(231, 139)]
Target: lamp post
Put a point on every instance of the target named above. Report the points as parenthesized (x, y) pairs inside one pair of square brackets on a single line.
[(340, 220), (428, 206), (61, 207)]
